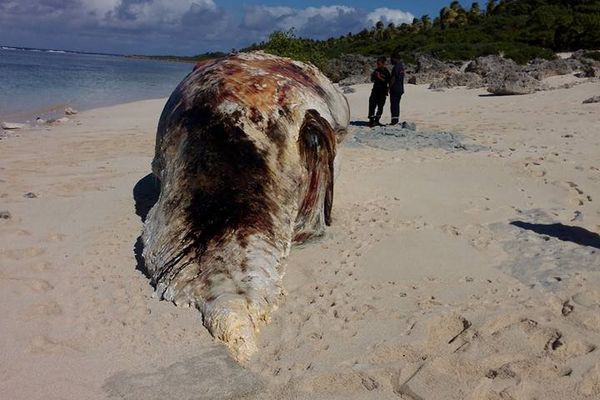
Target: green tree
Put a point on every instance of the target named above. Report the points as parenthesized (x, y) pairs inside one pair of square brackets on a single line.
[(286, 44), (474, 13), (491, 6), (426, 22), (447, 17)]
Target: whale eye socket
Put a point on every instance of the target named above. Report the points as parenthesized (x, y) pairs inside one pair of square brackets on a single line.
[(316, 145), (314, 140), (310, 137)]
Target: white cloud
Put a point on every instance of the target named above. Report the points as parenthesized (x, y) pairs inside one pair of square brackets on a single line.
[(388, 15), (261, 17), (172, 26), (329, 13), (318, 22), (100, 6), (134, 14)]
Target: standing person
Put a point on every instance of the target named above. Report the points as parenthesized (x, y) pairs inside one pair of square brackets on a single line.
[(381, 79), (396, 88)]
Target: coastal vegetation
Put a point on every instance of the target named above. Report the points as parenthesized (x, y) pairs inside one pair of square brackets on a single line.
[(518, 29)]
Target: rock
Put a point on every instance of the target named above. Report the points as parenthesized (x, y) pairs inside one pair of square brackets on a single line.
[(30, 195), (430, 69), (411, 126), (61, 120), (5, 214), (406, 137), (428, 64), (12, 125), (350, 65), (515, 83), (355, 80), (568, 85), (590, 68), (540, 68), (468, 79), (70, 111), (348, 89), (489, 66), (595, 99)]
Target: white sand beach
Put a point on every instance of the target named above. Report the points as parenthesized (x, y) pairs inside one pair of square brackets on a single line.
[(450, 272)]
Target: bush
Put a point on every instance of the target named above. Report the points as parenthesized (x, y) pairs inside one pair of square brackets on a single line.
[(522, 53), (286, 44)]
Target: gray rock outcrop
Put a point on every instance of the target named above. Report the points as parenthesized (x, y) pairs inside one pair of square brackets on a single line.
[(590, 67), (355, 80), (540, 68), (429, 70), (12, 125), (595, 99), (351, 68), (514, 83), (469, 79), (489, 67)]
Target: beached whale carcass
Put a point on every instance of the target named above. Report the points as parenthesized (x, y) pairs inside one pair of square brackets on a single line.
[(245, 153)]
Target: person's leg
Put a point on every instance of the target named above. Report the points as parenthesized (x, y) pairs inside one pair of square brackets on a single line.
[(372, 105), (380, 105), (395, 108)]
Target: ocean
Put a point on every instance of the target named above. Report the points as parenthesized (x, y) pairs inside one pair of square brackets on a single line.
[(43, 82)]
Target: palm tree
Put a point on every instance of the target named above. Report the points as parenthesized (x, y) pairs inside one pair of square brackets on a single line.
[(379, 30), (501, 7), (455, 5), (491, 6), (474, 12), (426, 22), (404, 28), (416, 24), (448, 17)]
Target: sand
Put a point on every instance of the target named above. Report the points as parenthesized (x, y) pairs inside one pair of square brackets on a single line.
[(450, 272)]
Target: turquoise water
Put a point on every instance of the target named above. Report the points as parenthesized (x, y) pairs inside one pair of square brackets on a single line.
[(42, 83)]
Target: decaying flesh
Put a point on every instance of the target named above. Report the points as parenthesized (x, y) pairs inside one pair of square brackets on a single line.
[(245, 154)]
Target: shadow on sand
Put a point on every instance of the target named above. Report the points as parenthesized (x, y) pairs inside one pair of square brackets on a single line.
[(562, 232), (145, 195)]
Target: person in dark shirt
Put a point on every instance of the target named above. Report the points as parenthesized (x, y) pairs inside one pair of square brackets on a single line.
[(396, 88), (381, 79)]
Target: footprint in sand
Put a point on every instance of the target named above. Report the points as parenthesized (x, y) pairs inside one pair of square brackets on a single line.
[(36, 285), (43, 310), (20, 254), (42, 344), (40, 285), (578, 198)]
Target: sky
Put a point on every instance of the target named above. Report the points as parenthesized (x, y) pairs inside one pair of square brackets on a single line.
[(188, 27)]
